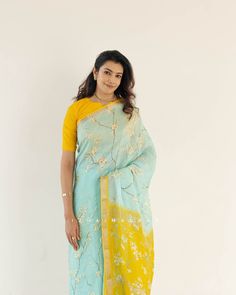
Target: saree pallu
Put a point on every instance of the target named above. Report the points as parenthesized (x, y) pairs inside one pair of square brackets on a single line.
[(115, 162)]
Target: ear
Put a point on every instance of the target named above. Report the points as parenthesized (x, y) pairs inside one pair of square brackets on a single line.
[(94, 71)]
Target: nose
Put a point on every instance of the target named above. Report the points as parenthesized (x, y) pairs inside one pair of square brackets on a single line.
[(110, 81)]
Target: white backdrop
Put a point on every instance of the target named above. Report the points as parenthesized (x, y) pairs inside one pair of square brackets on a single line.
[(184, 57)]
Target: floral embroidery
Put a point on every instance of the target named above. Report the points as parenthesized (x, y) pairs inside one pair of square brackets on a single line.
[(111, 145), (102, 161), (118, 259), (119, 278), (114, 126)]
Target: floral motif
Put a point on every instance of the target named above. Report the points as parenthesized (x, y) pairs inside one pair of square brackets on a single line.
[(118, 259), (81, 215), (97, 225), (114, 126), (102, 161), (135, 222), (124, 239), (130, 150), (136, 253), (135, 170), (94, 150), (119, 278)]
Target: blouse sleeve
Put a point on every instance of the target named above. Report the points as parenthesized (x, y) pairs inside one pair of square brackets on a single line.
[(69, 130)]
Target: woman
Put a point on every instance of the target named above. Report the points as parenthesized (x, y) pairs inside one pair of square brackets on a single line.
[(108, 160)]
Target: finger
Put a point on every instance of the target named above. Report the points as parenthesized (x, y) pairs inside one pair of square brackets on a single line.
[(74, 241), (69, 237)]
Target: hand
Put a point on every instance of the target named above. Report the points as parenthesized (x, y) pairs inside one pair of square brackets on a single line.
[(72, 230)]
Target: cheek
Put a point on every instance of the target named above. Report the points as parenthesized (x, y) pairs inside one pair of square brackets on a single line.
[(100, 80), (103, 79)]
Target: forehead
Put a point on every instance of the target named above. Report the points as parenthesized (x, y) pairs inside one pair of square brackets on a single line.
[(115, 67)]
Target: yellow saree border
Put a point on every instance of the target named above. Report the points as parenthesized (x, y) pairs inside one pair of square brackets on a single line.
[(136, 280), (99, 108), (107, 285)]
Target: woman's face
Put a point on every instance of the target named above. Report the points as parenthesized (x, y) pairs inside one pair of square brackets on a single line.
[(108, 77)]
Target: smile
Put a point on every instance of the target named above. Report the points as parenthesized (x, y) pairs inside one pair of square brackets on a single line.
[(109, 86)]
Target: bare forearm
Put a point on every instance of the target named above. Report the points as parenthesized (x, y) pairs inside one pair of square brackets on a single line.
[(67, 187)]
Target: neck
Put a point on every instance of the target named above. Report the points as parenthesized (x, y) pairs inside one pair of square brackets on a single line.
[(104, 97)]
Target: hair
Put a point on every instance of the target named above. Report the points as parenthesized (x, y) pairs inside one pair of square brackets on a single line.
[(124, 91)]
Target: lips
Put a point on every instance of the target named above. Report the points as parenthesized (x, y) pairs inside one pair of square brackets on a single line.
[(110, 86)]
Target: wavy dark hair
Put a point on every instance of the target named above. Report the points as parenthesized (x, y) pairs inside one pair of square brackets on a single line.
[(124, 91)]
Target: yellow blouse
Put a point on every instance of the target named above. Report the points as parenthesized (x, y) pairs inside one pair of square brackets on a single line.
[(75, 112)]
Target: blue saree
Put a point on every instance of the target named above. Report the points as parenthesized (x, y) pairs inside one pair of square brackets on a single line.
[(115, 161)]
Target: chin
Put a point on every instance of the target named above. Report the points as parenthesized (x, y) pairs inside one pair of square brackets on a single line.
[(108, 90)]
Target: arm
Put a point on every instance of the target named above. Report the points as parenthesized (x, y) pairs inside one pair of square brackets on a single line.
[(67, 172)]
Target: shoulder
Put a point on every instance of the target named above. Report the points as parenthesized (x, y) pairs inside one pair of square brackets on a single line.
[(76, 107), (78, 103)]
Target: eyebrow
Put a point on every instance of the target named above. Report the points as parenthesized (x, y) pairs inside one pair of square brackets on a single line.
[(112, 71)]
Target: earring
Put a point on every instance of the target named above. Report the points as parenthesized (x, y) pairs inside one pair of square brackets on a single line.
[(95, 78)]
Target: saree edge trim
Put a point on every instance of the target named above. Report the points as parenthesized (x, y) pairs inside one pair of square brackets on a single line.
[(105, 244), (100, 108)]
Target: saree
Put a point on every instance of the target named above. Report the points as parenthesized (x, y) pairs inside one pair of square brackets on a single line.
[(114, 164)]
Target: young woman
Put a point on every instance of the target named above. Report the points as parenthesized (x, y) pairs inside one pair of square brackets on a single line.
[(108, 160)]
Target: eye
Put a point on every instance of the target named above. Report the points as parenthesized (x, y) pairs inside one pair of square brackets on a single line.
[(106, 72)]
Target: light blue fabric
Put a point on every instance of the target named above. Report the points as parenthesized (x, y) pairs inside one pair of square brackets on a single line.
[(109, 144)]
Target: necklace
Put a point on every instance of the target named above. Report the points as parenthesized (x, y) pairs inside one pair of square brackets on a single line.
[(113, 98)]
